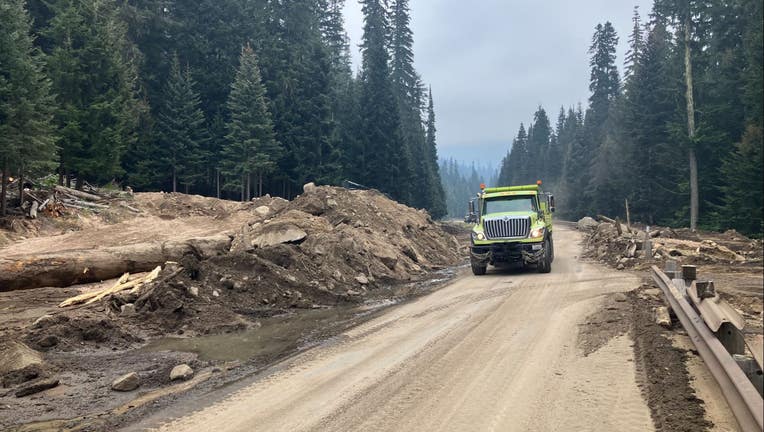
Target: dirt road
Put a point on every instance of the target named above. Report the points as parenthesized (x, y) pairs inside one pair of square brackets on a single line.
[(497, 352)]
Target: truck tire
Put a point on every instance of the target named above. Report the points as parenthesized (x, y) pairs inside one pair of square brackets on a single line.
[(545, 263), (551, 249), (478, 269)]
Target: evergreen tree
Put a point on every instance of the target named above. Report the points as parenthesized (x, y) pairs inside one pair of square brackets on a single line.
[(26, 105), (182, 129), (433, 187), (408, 90), (252, 149), (297, 73), (636, 45), (538, 147), (378, 163), (555, 156), (649, 108), (93, 73)]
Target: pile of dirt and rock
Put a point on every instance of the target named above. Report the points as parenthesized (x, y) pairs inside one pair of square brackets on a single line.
[(328, 246), (623, 246)]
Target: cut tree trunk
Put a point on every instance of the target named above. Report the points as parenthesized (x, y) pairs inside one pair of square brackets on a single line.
[(3, 187), (691, 125), (78, 193), (68, 268)]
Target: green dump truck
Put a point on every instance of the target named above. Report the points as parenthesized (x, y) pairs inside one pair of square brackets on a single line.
[(513, 227)]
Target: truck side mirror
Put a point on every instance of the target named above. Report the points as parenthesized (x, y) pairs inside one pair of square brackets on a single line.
[(551, 203), (471, 218)]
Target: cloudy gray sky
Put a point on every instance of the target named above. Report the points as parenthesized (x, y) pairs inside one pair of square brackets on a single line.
[(491, 63)]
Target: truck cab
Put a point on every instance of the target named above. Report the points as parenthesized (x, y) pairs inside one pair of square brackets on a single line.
[(513, 227)]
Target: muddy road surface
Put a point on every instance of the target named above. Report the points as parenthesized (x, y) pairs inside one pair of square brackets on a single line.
[(499, 352)]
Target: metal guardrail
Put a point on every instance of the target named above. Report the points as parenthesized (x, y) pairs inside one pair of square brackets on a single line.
[(744, 400)]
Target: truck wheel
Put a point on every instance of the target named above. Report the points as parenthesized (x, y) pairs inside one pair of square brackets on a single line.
[(551, 249), (478, 269), (545, 263)]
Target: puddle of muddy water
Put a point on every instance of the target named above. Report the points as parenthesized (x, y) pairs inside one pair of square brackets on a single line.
[(271, 337), (276, 335)]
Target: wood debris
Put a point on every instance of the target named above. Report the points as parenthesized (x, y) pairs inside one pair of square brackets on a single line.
[(121, 285)]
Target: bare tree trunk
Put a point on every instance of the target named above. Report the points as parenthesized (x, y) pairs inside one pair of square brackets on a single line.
[(691, 126), (628, 216), (260, 184), (174, 180), (249, 186), (186, 188), (21, 184), (217, 182), (65, 268), (60, 175), (3, 187), (242, 187)]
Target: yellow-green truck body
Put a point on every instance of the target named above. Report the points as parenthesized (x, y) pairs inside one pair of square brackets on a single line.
[(513, 227)]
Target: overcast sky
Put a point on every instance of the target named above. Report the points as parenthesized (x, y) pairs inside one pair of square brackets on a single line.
[(491, 63)]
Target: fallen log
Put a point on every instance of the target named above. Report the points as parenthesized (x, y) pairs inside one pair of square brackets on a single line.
[(84, 204), (92, 265), (79, 194), (132, 209)]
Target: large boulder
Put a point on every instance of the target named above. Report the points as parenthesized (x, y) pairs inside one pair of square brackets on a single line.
[(278, 235), (181, 372), (587, 224), (128, 382), (15, 356)]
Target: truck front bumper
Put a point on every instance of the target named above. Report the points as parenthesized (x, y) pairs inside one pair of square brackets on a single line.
[(509, 253)]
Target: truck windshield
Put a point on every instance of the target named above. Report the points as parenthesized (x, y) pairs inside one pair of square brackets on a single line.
[(522, 203)]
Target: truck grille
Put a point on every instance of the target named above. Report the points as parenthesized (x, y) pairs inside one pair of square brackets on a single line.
[(507, 227)]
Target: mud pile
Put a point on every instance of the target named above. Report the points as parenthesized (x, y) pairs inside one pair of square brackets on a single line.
[(326, 247), (626, 247)]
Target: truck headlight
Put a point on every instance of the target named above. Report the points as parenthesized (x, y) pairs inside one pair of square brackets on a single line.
[(537, 232), (478, 236)]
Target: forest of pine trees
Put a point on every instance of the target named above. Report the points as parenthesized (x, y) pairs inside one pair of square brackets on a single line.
[(231, 98), (679, 135)]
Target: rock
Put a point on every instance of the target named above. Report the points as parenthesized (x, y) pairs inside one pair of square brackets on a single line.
[(215, 293), (48, 341), (587, 224), (23, 375), (127, 309), (226, 283), (193, 291), (181, 372), (361, 279), (309, 187), (239, 286), (128, 382), (287, 234), (44, 321), (15, 356), (662, 317), (331, 203), (263, 211), (620, 297), (621, 266), (36, 387), (353, 292), (387, 256)]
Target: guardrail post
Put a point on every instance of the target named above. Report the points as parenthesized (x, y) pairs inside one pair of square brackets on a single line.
[(689, 273)]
